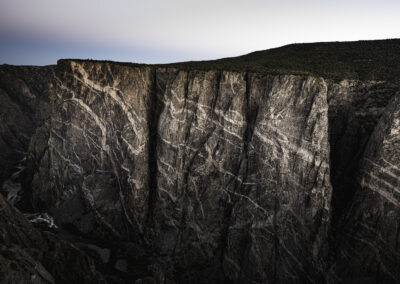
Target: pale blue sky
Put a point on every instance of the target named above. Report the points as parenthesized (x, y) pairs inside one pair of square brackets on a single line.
[(158, 31)]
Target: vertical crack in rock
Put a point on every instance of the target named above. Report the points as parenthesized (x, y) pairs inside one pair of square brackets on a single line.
[(153, 122), (251, 111)]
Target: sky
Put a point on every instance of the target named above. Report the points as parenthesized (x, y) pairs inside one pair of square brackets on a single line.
[(39, 32)]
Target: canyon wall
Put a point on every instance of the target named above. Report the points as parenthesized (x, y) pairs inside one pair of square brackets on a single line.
[(219, 176)]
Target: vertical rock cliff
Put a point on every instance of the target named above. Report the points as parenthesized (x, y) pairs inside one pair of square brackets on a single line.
[(216, 176), (218, 172)]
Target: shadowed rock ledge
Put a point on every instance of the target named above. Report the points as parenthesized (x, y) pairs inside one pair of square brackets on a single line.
[(30, 256)]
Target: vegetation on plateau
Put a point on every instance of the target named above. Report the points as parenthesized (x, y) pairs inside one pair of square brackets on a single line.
[(363, 60)]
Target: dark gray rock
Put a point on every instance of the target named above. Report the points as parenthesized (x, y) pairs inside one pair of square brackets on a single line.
[(30, 256), (194, 176), (24, 108), (354, 110), (370, 240), (218, 173)]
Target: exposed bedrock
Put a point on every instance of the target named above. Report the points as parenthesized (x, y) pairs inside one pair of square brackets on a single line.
[(221, 176), (30, 256), (369, 249), (24, 107), (225, 175), (354, 110)]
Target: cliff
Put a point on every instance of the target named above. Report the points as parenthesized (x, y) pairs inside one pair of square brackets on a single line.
[(200, 176)]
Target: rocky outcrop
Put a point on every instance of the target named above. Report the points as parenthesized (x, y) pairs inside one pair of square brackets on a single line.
[(370, 239), (30, 256), (358, 113), (354, 111), (24, 108), (218, 176)]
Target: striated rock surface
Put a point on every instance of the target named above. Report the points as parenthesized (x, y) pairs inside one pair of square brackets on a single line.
[(224, 176), (169, 175)]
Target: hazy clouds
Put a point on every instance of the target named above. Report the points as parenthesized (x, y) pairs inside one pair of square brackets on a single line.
[(41, 31)]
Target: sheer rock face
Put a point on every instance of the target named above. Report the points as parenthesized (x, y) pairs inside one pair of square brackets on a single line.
[(221, 176), (99, 149)]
